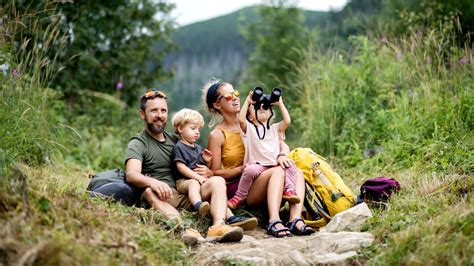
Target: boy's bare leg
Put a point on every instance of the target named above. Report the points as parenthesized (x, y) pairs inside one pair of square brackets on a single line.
[(214, 191), (194, 190)]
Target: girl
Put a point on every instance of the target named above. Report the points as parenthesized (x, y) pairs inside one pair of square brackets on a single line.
[(262, 148)]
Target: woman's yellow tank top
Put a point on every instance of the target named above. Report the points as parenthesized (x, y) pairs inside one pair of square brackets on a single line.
[(233, 150)]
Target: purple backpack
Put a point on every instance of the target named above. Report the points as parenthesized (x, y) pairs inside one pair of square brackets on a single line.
[(378, 189)]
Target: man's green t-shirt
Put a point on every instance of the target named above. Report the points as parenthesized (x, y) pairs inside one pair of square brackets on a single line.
[(154, 155)]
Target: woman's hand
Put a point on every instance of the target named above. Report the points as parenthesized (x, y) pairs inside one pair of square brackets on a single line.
[(203, 171), (284, 161)]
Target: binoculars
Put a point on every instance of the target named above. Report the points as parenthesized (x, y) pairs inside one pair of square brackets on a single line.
[(263, 100)]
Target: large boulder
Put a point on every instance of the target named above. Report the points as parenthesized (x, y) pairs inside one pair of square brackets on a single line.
[(349, 220)]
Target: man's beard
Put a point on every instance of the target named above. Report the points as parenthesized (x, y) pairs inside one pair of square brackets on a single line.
[(154, 129)]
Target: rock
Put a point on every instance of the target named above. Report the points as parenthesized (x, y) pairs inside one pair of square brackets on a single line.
[(294, 258), (340, 242), (319, 248), (248, 238), (349, 220), (332, 258)]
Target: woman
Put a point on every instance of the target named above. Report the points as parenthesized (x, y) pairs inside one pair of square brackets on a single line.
[(226, 145)]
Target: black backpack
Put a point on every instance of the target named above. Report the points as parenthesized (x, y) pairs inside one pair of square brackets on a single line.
[(103, 178)]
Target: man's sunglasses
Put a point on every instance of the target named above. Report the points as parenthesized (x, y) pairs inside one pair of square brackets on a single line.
[(153, 94), (228, 96)]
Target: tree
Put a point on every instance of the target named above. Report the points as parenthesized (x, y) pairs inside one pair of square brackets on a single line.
[(277, 38), (111, 44)]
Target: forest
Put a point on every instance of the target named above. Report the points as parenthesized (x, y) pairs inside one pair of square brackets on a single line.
[(380, 88)]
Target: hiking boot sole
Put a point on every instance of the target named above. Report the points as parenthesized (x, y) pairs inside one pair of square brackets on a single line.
[(231, 236), (204, 208), (246, 225)]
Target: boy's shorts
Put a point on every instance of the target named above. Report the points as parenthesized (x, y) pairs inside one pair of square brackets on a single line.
[(182, 186)]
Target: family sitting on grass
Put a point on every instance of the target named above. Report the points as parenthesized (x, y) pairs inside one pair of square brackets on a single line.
[(245, 162)]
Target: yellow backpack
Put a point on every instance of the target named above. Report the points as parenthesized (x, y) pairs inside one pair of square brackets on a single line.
[(326, 194)]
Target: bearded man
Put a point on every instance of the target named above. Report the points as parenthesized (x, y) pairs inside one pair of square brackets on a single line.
[(148, 166)]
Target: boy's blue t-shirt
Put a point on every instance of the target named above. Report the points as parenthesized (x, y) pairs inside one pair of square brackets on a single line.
[(189, 155)]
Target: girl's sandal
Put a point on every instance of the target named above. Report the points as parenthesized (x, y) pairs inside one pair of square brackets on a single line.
[(274, 231), (304, 231)]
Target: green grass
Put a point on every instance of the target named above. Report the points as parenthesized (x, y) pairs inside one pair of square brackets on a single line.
[(411, 104), (60, 224), (407, 101)]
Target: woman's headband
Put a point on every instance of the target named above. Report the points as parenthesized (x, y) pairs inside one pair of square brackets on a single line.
[(211, 94)]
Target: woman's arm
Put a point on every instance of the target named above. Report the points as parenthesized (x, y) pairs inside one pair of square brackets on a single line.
[(282, 158), (215, 143)]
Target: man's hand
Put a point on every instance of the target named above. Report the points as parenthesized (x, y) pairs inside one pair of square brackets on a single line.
[(206, 155), (162, 190), (203, 171), (284, 161)]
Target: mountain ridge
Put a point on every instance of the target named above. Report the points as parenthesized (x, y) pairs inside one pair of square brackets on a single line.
[(214, 48)]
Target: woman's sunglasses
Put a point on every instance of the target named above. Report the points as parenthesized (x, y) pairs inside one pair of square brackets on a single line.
[(228, 96)]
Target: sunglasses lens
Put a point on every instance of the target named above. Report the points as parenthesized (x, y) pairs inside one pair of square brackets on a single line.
[(236, 93), (149, 94), (228, 97)]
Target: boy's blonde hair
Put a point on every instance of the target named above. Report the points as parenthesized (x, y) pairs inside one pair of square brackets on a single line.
[(186, 116)]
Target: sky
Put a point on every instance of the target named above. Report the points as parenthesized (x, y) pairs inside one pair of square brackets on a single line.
[(191, 11)]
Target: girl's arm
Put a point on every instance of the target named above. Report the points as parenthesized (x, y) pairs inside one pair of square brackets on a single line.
[(286, 116), (215, 142)]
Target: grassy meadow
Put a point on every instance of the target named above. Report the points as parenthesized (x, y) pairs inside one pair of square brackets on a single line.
[(401, 108)]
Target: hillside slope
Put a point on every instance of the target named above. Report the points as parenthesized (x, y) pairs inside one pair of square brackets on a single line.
[(214, 48)]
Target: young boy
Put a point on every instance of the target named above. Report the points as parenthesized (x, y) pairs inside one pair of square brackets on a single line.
[(187, 154)]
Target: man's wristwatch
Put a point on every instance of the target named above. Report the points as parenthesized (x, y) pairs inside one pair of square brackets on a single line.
[(281, 154)]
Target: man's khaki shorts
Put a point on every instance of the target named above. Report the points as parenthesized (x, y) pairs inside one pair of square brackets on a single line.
[(177, 200), (180, 201)]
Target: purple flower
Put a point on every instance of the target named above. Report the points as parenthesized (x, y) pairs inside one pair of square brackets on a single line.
[(16, 73), (463, 61), (119, 85), (399, 56)]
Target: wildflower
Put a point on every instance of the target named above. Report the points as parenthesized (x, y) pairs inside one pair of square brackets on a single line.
[(399, 56), (463, 61), (16, 73), (119, 85)]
